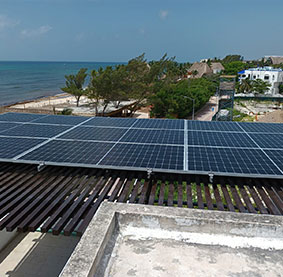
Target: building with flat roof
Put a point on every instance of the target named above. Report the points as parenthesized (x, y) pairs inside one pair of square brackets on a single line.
[(268, 74)]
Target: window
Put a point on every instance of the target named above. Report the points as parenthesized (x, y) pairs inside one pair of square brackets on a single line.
[(273, 77), (254, 77), (266, 77)]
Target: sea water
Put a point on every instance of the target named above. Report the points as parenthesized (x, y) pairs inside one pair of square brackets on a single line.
[(21, 81)]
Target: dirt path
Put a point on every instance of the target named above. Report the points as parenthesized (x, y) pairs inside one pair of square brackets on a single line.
[(208, 111)]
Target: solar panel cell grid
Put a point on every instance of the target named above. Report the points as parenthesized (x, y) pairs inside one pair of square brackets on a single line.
[(262, 127), (145, 156), (154, 136), (11, 147), (61, 119), (268, 140), (276, 156), (20, 117), (6, 125), (220, 139), (31, 130), (77, 152), (94, 133), (110, 121), (214, 126), (225, 160), (160, 124)]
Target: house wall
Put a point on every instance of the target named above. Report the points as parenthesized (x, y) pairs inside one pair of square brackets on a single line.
[(274, 77)]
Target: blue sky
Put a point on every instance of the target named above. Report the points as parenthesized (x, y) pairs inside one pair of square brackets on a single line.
[(117, 30)]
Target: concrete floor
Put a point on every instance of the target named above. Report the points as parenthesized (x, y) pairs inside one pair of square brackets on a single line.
[(159, 257), (36, 254)]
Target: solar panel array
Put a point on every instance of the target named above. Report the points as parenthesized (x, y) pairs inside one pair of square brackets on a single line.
[(223, 148)]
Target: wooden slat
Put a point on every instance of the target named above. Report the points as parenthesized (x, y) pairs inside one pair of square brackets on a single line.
[(170, 195), (218, 199), (135, 191), (272, 208), (199, 194), (114, 194), (126, 190), (189, 195), (180, 195), (256, 199), (100, 192), (161, 194), (236, 197), (51, 205), (247, 200), (152, 193), (208, 197), (145, 192), (227, 197)]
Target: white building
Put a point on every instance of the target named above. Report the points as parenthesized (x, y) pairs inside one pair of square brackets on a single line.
[(267, 74)]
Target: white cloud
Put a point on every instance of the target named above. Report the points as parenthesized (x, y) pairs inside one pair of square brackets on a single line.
[(163, 14), (6, 22), (27, 33)]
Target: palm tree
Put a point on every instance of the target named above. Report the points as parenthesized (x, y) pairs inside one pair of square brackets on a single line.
[(260, 87), (245, 86)]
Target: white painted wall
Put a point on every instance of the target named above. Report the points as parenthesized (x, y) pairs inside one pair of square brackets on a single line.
[(268, 74)]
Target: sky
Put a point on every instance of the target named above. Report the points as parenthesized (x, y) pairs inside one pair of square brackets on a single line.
[(118, 30)]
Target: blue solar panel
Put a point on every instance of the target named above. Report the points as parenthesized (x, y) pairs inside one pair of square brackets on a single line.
[(31, 130), (220, 139), (95, 133), (214, 126), (6, 125), (20, 117), (226, 160), (145, 156), (111, 121), (262, 127), (62, 119), (276, 156), (76, 152), (160, 124), (154, 136), (268, 140), (11, 147)]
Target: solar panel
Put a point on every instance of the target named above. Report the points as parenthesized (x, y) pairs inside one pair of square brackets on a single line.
[(110, 121), (61, 119), (6, 125), (268, 140), (220, 139), (74, 152), (154, 136), (94, 133), (214, 126), (226, 160), (20, 117), (160, 124), (262, 127), (30, 130), (228, 148), (145, 156), (276, 156), (11, 147)]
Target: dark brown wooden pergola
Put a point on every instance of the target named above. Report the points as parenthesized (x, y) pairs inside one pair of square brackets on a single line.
[(64, 199)]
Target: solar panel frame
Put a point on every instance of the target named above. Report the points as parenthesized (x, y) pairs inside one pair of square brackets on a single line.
[(127, 127), (164, 157), (224, 139), (94, 133), (227, 161), (153, 136), (20, 117), (39, 131)]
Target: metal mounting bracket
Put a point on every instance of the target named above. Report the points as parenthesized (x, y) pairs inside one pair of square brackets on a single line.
[(41, 166), (210, 175), (149, 172)]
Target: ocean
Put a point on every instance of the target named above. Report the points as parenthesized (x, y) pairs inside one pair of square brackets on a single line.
[(21, 81)]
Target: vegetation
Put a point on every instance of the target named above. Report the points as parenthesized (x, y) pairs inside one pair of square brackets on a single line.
[(75, 83), (260, 87), (174, 101)]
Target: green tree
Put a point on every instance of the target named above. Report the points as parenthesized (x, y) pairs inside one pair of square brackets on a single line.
[(260, 87), (75, 83), (232, 58), (245, 86), (233, 68), (281, 89)]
